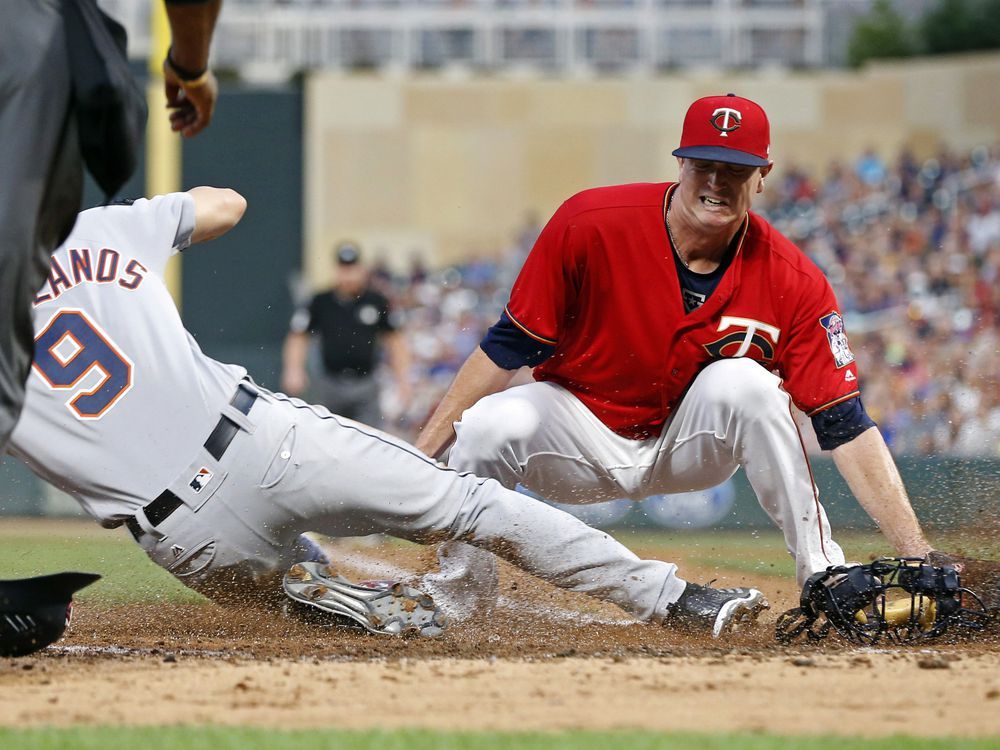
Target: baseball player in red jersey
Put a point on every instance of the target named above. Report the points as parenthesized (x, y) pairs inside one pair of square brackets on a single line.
[(671, 331)]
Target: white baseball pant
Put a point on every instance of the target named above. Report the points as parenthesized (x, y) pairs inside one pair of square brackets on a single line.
[(735, 414)]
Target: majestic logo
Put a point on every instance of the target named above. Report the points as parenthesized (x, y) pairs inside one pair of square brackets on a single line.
[(726, 120), (836, 336), (199, 480), (754, 339)]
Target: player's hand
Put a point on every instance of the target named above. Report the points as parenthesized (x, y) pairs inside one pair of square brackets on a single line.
[(192, 103), (294, 382)]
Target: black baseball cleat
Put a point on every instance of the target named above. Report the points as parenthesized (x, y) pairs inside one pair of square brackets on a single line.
[(320, 595), (721, 610)]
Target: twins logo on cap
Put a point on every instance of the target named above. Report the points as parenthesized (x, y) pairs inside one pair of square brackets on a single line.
[(742, 123), (726, 119)]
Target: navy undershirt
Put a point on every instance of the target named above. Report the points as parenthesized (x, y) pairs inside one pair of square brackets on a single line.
[(698, 287)]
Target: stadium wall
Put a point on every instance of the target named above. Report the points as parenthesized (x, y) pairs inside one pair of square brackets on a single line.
[(448, 167)]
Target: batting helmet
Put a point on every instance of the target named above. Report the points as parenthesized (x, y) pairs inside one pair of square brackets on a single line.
[(34, 612)]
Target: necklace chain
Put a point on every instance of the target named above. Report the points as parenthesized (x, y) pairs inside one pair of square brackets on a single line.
[(673, 242)]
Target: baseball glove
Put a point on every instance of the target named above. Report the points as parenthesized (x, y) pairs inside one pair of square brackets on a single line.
[(900, 599), (982, 576)]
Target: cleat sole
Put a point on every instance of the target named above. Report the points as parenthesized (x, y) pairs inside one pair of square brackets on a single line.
[(389, 609)]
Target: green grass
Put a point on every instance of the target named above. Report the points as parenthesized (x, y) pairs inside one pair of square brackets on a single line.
[(129, 576), (750, 551), (157, 738)]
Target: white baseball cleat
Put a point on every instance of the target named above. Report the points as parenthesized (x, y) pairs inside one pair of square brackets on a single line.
[(721, 610), (383, 607)]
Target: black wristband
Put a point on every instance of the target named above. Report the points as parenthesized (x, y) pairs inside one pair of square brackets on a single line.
[(183, 73)]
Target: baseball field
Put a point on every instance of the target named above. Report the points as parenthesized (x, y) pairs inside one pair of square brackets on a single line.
[(147, 663)]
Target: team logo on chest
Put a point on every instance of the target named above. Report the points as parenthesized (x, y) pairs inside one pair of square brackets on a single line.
[(752, 338), (836, 335)]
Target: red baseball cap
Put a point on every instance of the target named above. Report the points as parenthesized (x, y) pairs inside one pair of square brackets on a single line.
[(727, 128)]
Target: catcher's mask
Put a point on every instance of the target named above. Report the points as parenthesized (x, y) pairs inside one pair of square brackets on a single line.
[(34, 612), (902, 599)]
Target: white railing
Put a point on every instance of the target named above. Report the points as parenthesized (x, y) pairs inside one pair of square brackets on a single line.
[(558, 35)]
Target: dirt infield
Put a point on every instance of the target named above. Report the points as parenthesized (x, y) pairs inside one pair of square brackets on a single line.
[(544, 660)]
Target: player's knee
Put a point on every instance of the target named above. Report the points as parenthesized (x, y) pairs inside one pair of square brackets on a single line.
[(478, 422), (745, 388), (476, 437)]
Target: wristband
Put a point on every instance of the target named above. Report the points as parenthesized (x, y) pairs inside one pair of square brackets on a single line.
[(190, 78)]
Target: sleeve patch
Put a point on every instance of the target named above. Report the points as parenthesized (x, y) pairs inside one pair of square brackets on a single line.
[(836, 337)]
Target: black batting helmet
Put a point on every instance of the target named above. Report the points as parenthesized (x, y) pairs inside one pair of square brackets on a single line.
[(34, 612)]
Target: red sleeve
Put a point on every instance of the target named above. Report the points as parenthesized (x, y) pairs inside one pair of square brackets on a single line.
[(546, 288), (817, 363)]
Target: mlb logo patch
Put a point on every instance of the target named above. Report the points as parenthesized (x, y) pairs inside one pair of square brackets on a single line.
[(199, 480), (836, 336)]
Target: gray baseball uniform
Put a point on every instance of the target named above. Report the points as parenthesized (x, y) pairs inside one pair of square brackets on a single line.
[(215, 476)]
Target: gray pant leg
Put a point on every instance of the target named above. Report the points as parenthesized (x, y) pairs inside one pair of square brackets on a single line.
[(41, 178), (350, 480), (304, 470), (351, 397)]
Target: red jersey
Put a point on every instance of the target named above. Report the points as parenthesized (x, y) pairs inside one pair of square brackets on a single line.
[(600, 285)]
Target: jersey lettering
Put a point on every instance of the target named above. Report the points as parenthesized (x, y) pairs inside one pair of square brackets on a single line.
[(109, 268), (79, 261), (73, 353), (135, 269), (58, 280), (107, 264), (738, 343)]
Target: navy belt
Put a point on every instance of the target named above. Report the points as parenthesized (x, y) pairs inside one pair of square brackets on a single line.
[(218, 441)]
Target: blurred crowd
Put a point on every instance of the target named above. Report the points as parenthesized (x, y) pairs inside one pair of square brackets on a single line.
[(912, 247)]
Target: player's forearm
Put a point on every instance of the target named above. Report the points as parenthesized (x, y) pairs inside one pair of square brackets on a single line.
[(216, 211), (479, 377), (191, 28), (870, 472), (294, 352)]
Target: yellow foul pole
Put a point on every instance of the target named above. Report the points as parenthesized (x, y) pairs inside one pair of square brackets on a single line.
[(163, 146)]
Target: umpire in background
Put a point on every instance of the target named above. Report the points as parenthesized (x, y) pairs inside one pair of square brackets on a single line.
[(351, 320)]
